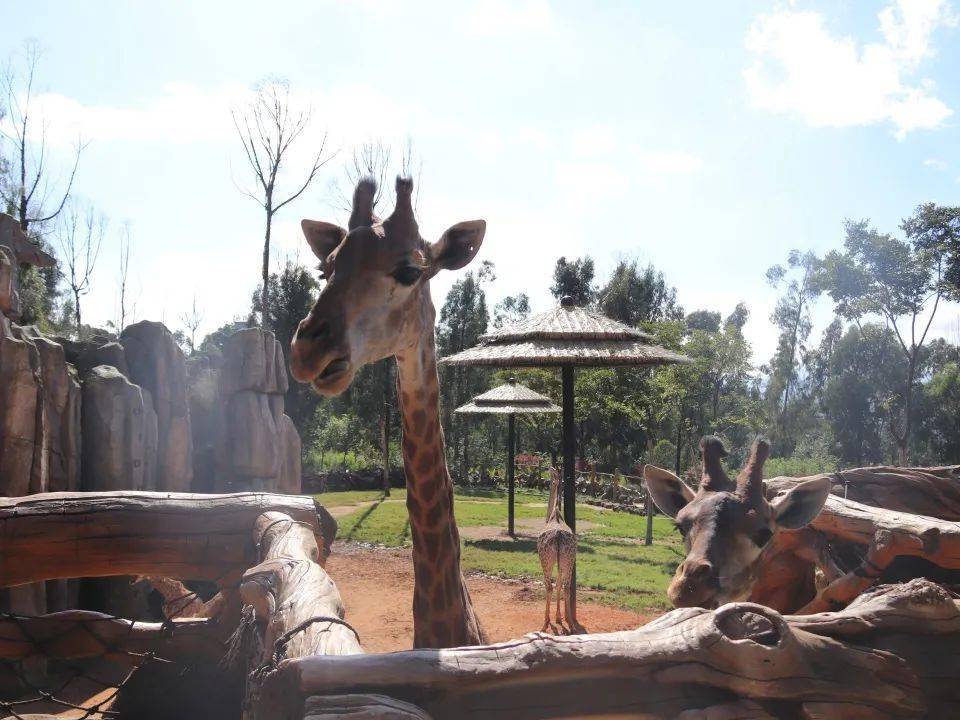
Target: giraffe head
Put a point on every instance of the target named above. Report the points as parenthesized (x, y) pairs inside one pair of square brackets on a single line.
[(727, 526), (376, 301)]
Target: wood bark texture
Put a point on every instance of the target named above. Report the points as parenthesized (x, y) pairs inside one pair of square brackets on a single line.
[(873, 536), (185, 536), (297, 608), (894, 653)]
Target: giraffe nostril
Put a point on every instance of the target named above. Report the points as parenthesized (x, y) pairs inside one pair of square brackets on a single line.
[(318, 330)]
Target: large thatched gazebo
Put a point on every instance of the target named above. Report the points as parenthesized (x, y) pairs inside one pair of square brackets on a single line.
[(509, 399), (566, 337)]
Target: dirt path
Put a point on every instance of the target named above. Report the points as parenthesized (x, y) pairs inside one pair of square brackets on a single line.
[(377, 589)]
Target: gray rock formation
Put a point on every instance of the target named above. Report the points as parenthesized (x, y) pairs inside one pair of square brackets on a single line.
[(39, 414), (156, 364), (9, 295), (19, 419), (119, 433), (60, 394), (256, 446)]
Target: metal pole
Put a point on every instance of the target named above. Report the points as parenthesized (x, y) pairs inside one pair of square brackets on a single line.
[(569, 486), (511, 452)]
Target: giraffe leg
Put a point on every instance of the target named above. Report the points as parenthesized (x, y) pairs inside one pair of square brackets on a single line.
[(561, 585), (575, 627), (547, 625)]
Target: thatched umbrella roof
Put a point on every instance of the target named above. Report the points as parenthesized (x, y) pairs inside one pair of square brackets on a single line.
[(566, 335), (510, 398)]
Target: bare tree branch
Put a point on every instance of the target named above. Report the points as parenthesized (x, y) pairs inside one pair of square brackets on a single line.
[(268, 130), (30, 148), (80, 233)]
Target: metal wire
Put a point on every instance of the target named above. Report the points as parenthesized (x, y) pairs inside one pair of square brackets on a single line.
[(69, 673)]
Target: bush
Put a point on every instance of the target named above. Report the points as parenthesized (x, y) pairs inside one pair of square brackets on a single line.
[(663, 454)]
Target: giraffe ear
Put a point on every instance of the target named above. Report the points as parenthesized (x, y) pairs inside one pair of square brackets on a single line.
[(323, 237), (458, 245), (801, 503), (669, 492)]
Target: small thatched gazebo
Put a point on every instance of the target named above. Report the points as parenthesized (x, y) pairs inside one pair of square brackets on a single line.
[(567, 337), (510, 399)]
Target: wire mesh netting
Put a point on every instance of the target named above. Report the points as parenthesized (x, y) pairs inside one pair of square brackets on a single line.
[(82, 664)]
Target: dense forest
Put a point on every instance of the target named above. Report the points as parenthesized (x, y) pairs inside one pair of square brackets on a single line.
[(875, 386)]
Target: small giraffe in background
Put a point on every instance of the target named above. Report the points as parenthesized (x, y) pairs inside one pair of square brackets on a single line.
[(557, 545)]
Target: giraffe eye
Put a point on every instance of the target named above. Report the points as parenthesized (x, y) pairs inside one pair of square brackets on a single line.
[(762, 537), (407, 275)]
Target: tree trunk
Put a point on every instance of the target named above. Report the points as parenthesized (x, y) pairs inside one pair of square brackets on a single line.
[(891, 654), (76, 312), (187, 536), (265, 299), (903, 442)]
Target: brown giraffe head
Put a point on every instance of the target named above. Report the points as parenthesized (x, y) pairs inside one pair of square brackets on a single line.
[(376, 301), (726, 525)]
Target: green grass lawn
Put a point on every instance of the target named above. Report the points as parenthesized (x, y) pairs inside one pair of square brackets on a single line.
[(611, 559)]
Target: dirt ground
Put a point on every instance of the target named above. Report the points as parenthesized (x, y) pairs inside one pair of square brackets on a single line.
[(376, 585)]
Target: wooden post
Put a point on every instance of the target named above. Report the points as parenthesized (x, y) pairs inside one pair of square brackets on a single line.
[(297, 608), (511, 452), (648, 503), (569, 478)]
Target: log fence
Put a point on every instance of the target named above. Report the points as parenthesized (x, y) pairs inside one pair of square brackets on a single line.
[(276, 627)]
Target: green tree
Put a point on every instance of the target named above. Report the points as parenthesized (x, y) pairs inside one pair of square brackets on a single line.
[(634, 295), (463, 319), (574, 278), (703, 320), (791, 315), (935, 229), (512, 309), (863, 383), (902, 282), (291, 295)]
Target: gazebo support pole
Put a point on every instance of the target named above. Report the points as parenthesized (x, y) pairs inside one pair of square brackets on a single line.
[(569, 481), (511, 453)]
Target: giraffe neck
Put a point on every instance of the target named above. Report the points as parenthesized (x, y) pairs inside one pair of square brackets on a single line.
[(553, 506), (442, 612)]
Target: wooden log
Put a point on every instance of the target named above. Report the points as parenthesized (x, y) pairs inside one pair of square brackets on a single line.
[(179, 601), (933, 491), (180, 535), (741, 658), (77, 634), (361, 707), (882, 534), (297, 607)]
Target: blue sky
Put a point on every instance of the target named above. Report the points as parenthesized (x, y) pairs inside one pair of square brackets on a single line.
[(708, 138)]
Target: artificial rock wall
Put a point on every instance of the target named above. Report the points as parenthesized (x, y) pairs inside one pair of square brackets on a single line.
[(122, 413)]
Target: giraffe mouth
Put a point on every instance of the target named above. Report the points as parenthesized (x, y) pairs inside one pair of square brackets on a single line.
[(329, 379)]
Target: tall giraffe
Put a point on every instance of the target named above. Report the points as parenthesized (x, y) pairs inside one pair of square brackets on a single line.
[(376, 303)]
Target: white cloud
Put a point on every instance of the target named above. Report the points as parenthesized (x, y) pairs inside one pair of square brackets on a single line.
[(935, 163), (832, 81), (182, 113), (494, 17)]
